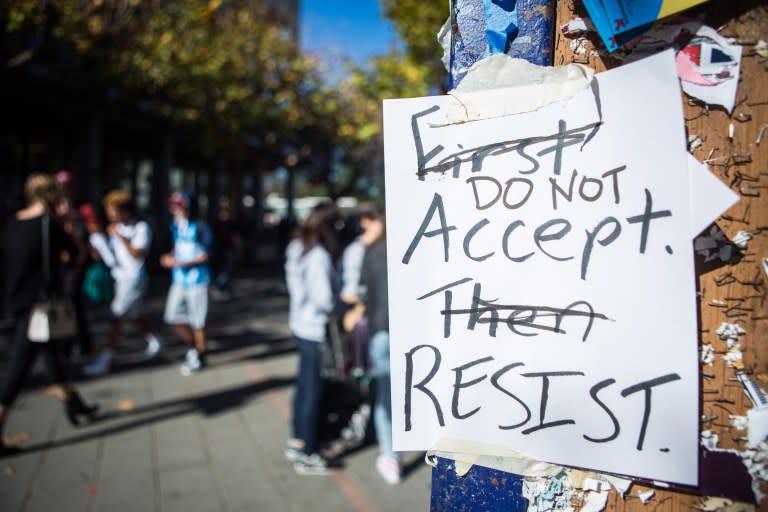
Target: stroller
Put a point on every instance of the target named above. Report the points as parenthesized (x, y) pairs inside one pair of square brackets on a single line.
[(345, 406)]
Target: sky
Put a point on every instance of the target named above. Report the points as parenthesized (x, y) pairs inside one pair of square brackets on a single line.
[(351, 28)]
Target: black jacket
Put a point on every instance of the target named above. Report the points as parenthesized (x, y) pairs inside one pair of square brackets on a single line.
[(373, 280)]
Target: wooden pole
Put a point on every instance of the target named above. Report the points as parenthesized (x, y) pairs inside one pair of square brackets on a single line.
[(729, 292)]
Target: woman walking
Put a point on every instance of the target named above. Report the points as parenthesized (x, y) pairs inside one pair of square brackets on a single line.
[(310, 276), (23, 246)]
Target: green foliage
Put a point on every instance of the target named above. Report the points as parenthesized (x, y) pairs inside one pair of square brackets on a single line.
[(220, 71), (217, 68), (417, 22)]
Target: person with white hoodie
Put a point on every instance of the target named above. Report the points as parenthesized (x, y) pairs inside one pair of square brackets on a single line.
[(310, 277), (129, 242)]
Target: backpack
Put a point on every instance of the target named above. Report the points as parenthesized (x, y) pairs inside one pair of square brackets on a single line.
[(98, 285)]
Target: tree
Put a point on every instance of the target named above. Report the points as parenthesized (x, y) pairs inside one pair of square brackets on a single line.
[(347, 154), (418, 22), (219, 70)]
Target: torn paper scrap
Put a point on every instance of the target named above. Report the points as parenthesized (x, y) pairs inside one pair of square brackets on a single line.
[(715, 245), (709, 68), (741, 239), (596, 502), (467, 453), (501, 85), (761, 48), (707, 64), (621, 485), (729, 332), (758, 425), (626, 15), (738, 422), (592, 484), (709, 439), (620, 21), (646, 496), (755, 459), (708, 195), (550, 493), (576, 26)]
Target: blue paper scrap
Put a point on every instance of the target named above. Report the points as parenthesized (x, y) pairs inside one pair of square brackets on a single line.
[(481, 28), (620, 21)]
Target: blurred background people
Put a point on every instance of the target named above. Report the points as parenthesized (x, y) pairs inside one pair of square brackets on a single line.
[(129, 242), (373, 284), (227, 245), (23, 245), (355, 322), (186, 307), (310, 277), (98, 286), (70, 219)]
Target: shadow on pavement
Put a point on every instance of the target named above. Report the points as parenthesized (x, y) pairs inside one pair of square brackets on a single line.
[(207, 404)]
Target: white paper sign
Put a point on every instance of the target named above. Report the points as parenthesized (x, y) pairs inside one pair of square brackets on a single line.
[(541, 280)]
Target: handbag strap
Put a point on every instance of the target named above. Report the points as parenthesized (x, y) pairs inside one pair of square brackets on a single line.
[(46, 223)]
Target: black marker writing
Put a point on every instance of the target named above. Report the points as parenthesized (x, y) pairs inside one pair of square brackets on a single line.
[(647, 387), (645, 219), (421, 159), (421, 386), (563, 138), (616, 428), (459, 385), (435, 207), (545, 397), (487, 312)]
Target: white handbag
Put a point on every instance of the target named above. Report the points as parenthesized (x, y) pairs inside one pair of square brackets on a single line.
[(51, 318)]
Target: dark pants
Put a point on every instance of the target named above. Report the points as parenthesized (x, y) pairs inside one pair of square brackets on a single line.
[(84, 338), (23, 355), (73, 286), (306, 401)]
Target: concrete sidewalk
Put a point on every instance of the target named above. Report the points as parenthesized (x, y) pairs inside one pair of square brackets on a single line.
[(211, 441)]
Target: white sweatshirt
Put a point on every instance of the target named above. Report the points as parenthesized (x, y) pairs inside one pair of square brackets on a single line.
[(310, 279), (100, 243)]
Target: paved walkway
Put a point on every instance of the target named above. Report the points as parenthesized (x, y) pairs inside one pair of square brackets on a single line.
[(208, 442)]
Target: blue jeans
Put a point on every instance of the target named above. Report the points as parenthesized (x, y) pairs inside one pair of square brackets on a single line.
[(306, 400), (382, 406)]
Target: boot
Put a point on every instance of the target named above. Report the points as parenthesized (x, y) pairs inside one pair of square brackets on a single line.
[(75, 407), (7, 450)]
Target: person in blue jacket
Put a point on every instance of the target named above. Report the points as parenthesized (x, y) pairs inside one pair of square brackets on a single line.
[(186, 307)]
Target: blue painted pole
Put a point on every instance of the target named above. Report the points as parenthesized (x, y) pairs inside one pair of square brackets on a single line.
[(480, 28), (519, 28)]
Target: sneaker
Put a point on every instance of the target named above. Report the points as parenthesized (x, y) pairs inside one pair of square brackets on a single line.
[(389, 469), (293, 449), (100, 365), (192, 363), (311, 465), (153, 347)]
